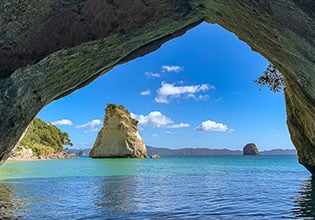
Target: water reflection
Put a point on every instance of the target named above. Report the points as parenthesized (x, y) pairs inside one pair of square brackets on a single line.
[(120, 194), (304, 204), (7, 202)]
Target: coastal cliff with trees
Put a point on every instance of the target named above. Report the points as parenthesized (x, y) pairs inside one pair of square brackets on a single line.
[(41, 141)]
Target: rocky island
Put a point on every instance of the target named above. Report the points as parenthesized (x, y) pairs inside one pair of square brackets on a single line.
[(250, 149), (119, 136)]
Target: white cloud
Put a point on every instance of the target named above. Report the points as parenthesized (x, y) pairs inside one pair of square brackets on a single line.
[(198, 97), (153, 119), (146, 92), (180, 125), (169, 90), (167, 68), (152, 75), (91, 124), (212, 126), (157, 119), (62, 122)]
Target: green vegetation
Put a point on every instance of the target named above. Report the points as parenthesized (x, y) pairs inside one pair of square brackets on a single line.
[(114, 106), (272, 78), (44, 138)]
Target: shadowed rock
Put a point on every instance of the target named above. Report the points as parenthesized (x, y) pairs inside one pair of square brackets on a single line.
[(250, 149), (48, 49)]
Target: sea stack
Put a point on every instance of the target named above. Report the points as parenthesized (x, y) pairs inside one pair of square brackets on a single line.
[(119, 136), (250, 149)]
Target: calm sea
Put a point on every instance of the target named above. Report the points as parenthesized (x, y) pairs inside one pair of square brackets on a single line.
[(231, 187)]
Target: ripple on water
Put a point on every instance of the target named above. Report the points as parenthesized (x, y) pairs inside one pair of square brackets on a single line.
[(168, 188)]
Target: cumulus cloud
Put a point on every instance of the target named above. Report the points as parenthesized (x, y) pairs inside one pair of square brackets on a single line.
[(146, 92), (170, 90), (152, 75), (91, 124), (62, 122), (168, 68), (212, 126), (153, 119), (157, 119), (164, 69)]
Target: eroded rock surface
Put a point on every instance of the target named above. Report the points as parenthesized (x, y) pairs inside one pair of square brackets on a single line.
[(119, 136), (50, 48)]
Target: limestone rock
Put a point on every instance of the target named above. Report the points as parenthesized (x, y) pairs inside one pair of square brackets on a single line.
[(119, 136), (154, 156), (250, 149)]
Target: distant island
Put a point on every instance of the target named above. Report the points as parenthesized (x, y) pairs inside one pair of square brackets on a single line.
[(166, 152), (211, 152)]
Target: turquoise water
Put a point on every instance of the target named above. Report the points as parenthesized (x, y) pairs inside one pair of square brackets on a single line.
[(231, 187)]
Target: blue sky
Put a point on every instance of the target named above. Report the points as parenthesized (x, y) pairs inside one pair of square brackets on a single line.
[(195, 91)]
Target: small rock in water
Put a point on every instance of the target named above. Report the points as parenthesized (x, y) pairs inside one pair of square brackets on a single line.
[(250, 149)]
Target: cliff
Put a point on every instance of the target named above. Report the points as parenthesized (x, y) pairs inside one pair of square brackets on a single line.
[(119, 136), (41, 141), (44, 138)]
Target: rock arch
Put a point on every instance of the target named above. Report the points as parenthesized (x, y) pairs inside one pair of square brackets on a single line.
[(50, 48)]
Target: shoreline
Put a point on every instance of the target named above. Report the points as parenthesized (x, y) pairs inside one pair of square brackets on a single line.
[(58, 156), (36, 159)]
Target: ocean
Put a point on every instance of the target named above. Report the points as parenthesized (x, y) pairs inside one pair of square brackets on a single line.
[(218, 187)]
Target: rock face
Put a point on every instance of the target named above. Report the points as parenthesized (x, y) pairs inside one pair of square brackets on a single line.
[(155, 156), (49, 49), (21, 153), (119, 136), (250, 149)]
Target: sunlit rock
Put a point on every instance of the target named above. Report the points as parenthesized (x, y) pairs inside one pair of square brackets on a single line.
[(119, 136)]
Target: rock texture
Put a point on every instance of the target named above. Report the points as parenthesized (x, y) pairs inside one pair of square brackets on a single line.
[(250, 149), (21, 153), (119, 136), (24, 153), (155, 156), (48, 49)]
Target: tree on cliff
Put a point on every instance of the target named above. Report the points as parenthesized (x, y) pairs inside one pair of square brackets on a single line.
[(272, 78), (44, 138)]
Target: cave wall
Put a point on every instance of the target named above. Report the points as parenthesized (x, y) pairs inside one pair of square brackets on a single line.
[(50, 48)]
